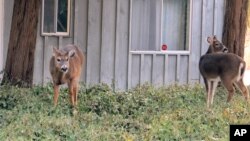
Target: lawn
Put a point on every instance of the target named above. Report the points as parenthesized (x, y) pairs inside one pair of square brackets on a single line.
[(144, 113)]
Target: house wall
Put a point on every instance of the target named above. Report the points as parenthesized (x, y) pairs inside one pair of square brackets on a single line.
[(7, 18), (102, 28)]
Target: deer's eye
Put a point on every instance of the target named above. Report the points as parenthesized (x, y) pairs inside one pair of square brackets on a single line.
[(217, 44), (67, 59), (58, 59)]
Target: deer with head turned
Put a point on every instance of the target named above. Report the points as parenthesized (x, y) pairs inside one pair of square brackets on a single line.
[(218, 65), (65, 67)]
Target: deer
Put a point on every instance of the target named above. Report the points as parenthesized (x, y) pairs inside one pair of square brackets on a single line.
[(217, 65), (66, 67)]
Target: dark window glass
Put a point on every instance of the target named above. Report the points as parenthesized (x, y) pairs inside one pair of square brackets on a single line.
[(55, 17), (49, 16), (62, 15)]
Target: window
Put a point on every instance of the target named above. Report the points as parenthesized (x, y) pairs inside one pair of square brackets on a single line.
[(55, 17), (155, 23), (175, 24)]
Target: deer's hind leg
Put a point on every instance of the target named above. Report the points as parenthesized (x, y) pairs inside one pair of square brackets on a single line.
[(243, 89), (211, 87), (228, 83), (206, 84), (208, 88)]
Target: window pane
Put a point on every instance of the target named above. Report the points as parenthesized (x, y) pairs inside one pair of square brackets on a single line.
[(145, 22), (175, 24), (49, 16), (62, 16)]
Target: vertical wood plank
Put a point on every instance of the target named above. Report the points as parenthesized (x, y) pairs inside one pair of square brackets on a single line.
[(172, 69), (75, 20), (166, 69), (219, 11), (158, 72), (81, 23), (55, 13), (108, 41), (207, 27), (153, 69), (49, 43), (129, 83), (122, 44), (141, 69), (45, 43), (147, 68), (81, 29), (129, 47), (196, 41), (183, 77), (190, 42), (135, 69), (94, 42), (1, 37), (178, 66), (8, 12), (188, 70), (158, 25), (60, 40), (38, 73)]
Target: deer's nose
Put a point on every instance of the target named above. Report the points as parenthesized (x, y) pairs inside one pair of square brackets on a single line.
[(64, 68), (225, 50)]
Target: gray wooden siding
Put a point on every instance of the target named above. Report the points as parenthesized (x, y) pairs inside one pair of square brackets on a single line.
[(102, 28), (1, 37), (8, 6)]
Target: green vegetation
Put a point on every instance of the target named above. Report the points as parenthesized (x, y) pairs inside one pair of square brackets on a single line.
[(144, 113)]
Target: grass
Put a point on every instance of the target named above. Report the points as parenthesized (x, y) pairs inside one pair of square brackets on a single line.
[(144, 113)]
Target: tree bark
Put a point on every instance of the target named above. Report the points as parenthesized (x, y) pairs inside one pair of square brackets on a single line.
[(21, 49), (235, 26)]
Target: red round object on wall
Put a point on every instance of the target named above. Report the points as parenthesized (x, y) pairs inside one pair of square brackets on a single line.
[(164, 47)]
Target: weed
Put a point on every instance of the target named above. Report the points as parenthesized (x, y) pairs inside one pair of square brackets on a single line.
[(143, 113)]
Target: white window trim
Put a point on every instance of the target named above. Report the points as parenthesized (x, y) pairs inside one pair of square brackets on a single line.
[(161, 27), (55, 24)]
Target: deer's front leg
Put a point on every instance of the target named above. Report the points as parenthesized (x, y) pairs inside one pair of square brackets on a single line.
[(56, 94), (72, 91), (75, 93)]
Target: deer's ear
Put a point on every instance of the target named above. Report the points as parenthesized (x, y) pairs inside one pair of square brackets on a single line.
[(215, 38), (71, 53), (210, 40), (55, 51)]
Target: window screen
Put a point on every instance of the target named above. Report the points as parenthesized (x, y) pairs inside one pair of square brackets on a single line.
[(160, 22), (175, 24)]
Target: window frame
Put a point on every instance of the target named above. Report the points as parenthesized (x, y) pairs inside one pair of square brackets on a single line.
[(55, 24), (159, 49)]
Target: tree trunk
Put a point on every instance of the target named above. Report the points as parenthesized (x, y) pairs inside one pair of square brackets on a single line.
[(235, 26), (20, 58)]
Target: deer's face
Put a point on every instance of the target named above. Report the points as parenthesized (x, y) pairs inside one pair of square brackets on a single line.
[(215, 46), (62, 59)]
